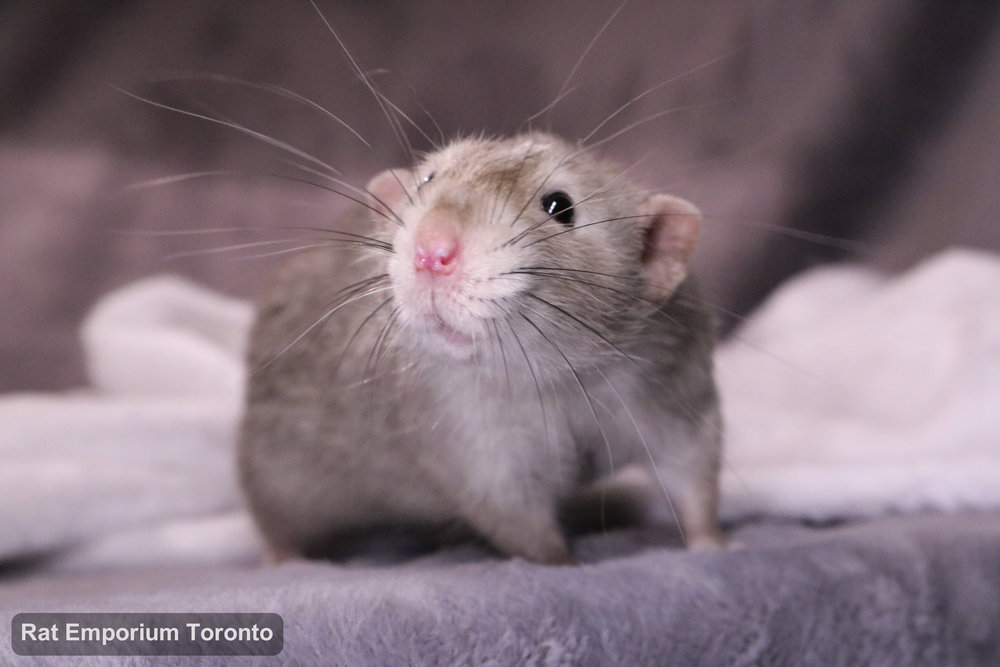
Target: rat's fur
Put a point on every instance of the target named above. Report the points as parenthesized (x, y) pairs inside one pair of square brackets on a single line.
[(556, 357)]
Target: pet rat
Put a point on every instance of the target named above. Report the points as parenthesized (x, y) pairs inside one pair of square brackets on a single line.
[(514, 325)]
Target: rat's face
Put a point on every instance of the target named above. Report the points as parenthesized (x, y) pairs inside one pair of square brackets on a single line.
[(527, 240)]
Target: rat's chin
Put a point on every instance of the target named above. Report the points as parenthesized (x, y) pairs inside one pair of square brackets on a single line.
[(449, 339), (452, 336)]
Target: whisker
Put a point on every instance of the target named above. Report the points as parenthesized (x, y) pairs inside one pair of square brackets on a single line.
[(566, 89), (228, 248), (361, 238), (695, 418), (260, 136), (651, 90), (590, 46), (649, 452), (534, 376), (579, 383), (579, 281), (329, 313), (656, 116), (503, 358), (550, 106), (179, 178), (266, 87), (816, 238), (402, 114), (363, 193), (343, 245), (394, 124), (584, 226), (379, 349), (357, 332)]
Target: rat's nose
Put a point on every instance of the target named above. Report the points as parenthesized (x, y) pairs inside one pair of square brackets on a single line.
[(436, 246)]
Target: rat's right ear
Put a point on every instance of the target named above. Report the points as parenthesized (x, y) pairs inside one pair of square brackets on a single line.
[(671, 229), (388, 190)]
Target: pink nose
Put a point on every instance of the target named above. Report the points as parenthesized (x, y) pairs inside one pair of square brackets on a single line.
[(436, 248)]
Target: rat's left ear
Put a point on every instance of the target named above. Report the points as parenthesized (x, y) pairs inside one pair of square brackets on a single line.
[(672, 226)]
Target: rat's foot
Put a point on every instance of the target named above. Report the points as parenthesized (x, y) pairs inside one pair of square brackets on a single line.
[(534, 535)]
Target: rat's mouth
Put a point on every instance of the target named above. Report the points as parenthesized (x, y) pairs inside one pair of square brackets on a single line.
[(449, 333)]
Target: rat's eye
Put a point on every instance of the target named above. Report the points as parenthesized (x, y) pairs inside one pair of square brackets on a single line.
[(559, 206), (426, 179)]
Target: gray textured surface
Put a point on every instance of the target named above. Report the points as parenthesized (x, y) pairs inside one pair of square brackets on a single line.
[(896, 591)]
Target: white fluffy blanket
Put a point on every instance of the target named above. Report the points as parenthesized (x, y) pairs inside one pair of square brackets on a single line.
[(847, 394)]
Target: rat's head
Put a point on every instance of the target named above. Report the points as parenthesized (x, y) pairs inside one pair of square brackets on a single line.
[(526, 238)]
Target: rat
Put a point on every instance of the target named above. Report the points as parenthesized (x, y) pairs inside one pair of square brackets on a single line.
[(511, 334)]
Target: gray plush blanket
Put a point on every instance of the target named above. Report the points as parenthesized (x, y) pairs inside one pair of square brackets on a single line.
[(902, 591)]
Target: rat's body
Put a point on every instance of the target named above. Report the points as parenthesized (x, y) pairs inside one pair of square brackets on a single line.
[(525, 328)]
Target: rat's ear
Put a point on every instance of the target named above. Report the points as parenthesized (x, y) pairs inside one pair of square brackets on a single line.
[(388, 190), (672, 226)]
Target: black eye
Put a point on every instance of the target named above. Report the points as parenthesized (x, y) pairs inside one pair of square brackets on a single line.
[(558, 206)]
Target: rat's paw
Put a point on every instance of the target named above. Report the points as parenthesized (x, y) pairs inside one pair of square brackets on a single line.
[(711, 541)]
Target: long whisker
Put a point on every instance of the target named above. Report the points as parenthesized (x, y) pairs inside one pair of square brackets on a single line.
[(349, 240), (579, 383), (503, 358), (361, 199), (550, 106), (696, 418), (224, 249), (379, 348), (380, 286), (649, 452), (589, 283), (656, 116), (179, 178), (260, 136), (342, 245), (816, 238), (362, 193), (588, 49), (584, 226), (266, 87), (357, 332), (401, 138), (442, 140), (402, 114), (534, 376), (649, 91), (600, 336), (360, 238)]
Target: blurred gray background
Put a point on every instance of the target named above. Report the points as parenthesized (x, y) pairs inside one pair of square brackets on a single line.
[(807, 132)]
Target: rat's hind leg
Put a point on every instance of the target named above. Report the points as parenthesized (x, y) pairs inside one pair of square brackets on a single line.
[(685, 484), (697, 505), (529, 530)]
